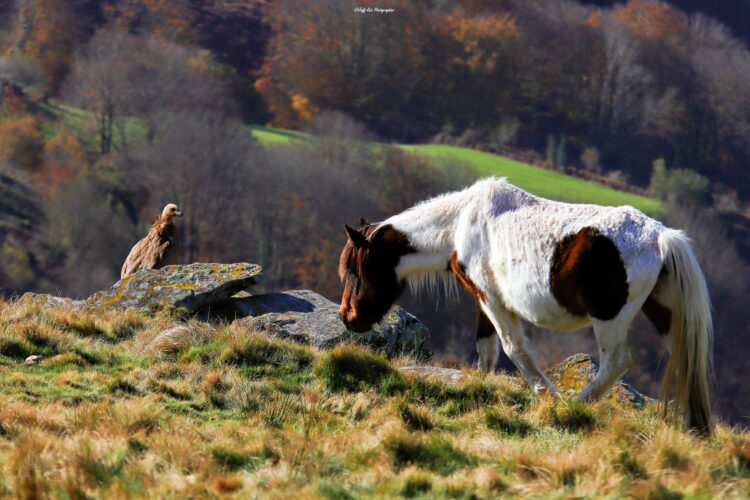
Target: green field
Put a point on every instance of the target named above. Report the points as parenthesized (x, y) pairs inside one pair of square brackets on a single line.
[(536, 180)]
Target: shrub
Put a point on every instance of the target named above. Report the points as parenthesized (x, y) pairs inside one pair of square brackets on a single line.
[(681, 185), (259, 350), (590, 159), (349, 368), (14, 347)]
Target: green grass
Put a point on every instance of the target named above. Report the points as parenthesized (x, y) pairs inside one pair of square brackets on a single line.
[(271, 136), (536, 180)]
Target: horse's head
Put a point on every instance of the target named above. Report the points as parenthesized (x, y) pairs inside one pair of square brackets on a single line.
[(367, 269)]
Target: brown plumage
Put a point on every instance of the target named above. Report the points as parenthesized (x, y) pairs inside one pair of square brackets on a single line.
[(159, 248)]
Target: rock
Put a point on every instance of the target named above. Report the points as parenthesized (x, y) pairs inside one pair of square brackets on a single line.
[(33, 360), (190, 288), (574, 373), (46, 301), (309, 318), (451, 375)]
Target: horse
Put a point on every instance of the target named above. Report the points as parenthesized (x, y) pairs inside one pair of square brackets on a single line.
[(560, 266)]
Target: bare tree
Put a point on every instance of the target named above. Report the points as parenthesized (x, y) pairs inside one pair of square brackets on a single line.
[(206, 163), (118, 75)]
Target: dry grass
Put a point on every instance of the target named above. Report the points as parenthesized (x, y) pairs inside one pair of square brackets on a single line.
[(125, 405)]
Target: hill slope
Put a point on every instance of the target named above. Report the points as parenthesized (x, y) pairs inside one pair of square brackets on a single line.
[(119, 408), (536, 180)]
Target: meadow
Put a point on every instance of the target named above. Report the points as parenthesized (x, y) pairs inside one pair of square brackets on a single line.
[(123, 404), (536, 180)]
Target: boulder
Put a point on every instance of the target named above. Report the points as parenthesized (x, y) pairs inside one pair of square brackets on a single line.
[(574, 373), (309, 318), (451, 375), (190, 288)]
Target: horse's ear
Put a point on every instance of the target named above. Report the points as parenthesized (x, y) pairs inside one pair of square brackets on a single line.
[(363, 221), (356, 237)]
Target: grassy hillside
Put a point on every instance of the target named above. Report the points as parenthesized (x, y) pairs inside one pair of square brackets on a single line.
[(536, 180), (119, 408)]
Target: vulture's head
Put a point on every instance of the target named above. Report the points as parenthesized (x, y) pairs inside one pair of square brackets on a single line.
[(170, 211)]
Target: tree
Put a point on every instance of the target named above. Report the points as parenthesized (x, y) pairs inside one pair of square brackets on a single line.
[(321, 56), (168, 19), (119, 75), (47, 33)]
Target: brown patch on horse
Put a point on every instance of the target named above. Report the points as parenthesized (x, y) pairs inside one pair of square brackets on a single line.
[(367, 268), (587, 275), (659, 315), (459, 270)]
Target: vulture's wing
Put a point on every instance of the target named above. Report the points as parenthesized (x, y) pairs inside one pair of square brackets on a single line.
[(149, 253)]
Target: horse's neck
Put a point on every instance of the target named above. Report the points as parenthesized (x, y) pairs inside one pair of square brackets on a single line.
[(430, 228), (431, 225)]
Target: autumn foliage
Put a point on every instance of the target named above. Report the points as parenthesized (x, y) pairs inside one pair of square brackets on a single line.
[(21, 142)]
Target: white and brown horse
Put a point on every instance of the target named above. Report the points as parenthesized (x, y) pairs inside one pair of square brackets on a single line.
[(557, 265)]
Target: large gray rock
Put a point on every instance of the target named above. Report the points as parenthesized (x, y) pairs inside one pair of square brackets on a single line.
[(307, 317), (189, 288), (574, 373)]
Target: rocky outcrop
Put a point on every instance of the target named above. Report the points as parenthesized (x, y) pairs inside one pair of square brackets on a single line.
[(574, 373), (189, 289), (192, 288), (309, 318)]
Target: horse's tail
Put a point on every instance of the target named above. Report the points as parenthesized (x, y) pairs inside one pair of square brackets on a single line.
[(687, 375)]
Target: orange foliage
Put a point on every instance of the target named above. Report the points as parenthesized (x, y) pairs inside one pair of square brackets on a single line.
[(484, 38), (304, 108), (651, 19), (64, 158), (278, 102), (21, 143), (594, 19)]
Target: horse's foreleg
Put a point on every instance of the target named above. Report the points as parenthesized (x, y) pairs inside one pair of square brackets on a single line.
[(513, 340), (488, 347)]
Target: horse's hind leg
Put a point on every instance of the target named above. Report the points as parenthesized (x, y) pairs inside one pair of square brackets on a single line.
[(514, 343), (488, 347), (614, 354)]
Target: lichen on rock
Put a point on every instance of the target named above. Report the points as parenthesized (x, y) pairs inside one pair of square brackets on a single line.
[(574, 373), (191, 287)]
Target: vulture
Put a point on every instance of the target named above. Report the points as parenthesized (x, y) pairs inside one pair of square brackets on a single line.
[(160, 246)]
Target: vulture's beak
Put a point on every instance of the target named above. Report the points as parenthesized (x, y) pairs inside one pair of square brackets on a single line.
[(178, 213)]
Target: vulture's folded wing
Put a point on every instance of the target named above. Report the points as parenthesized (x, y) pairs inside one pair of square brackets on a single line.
[(149, 253)]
